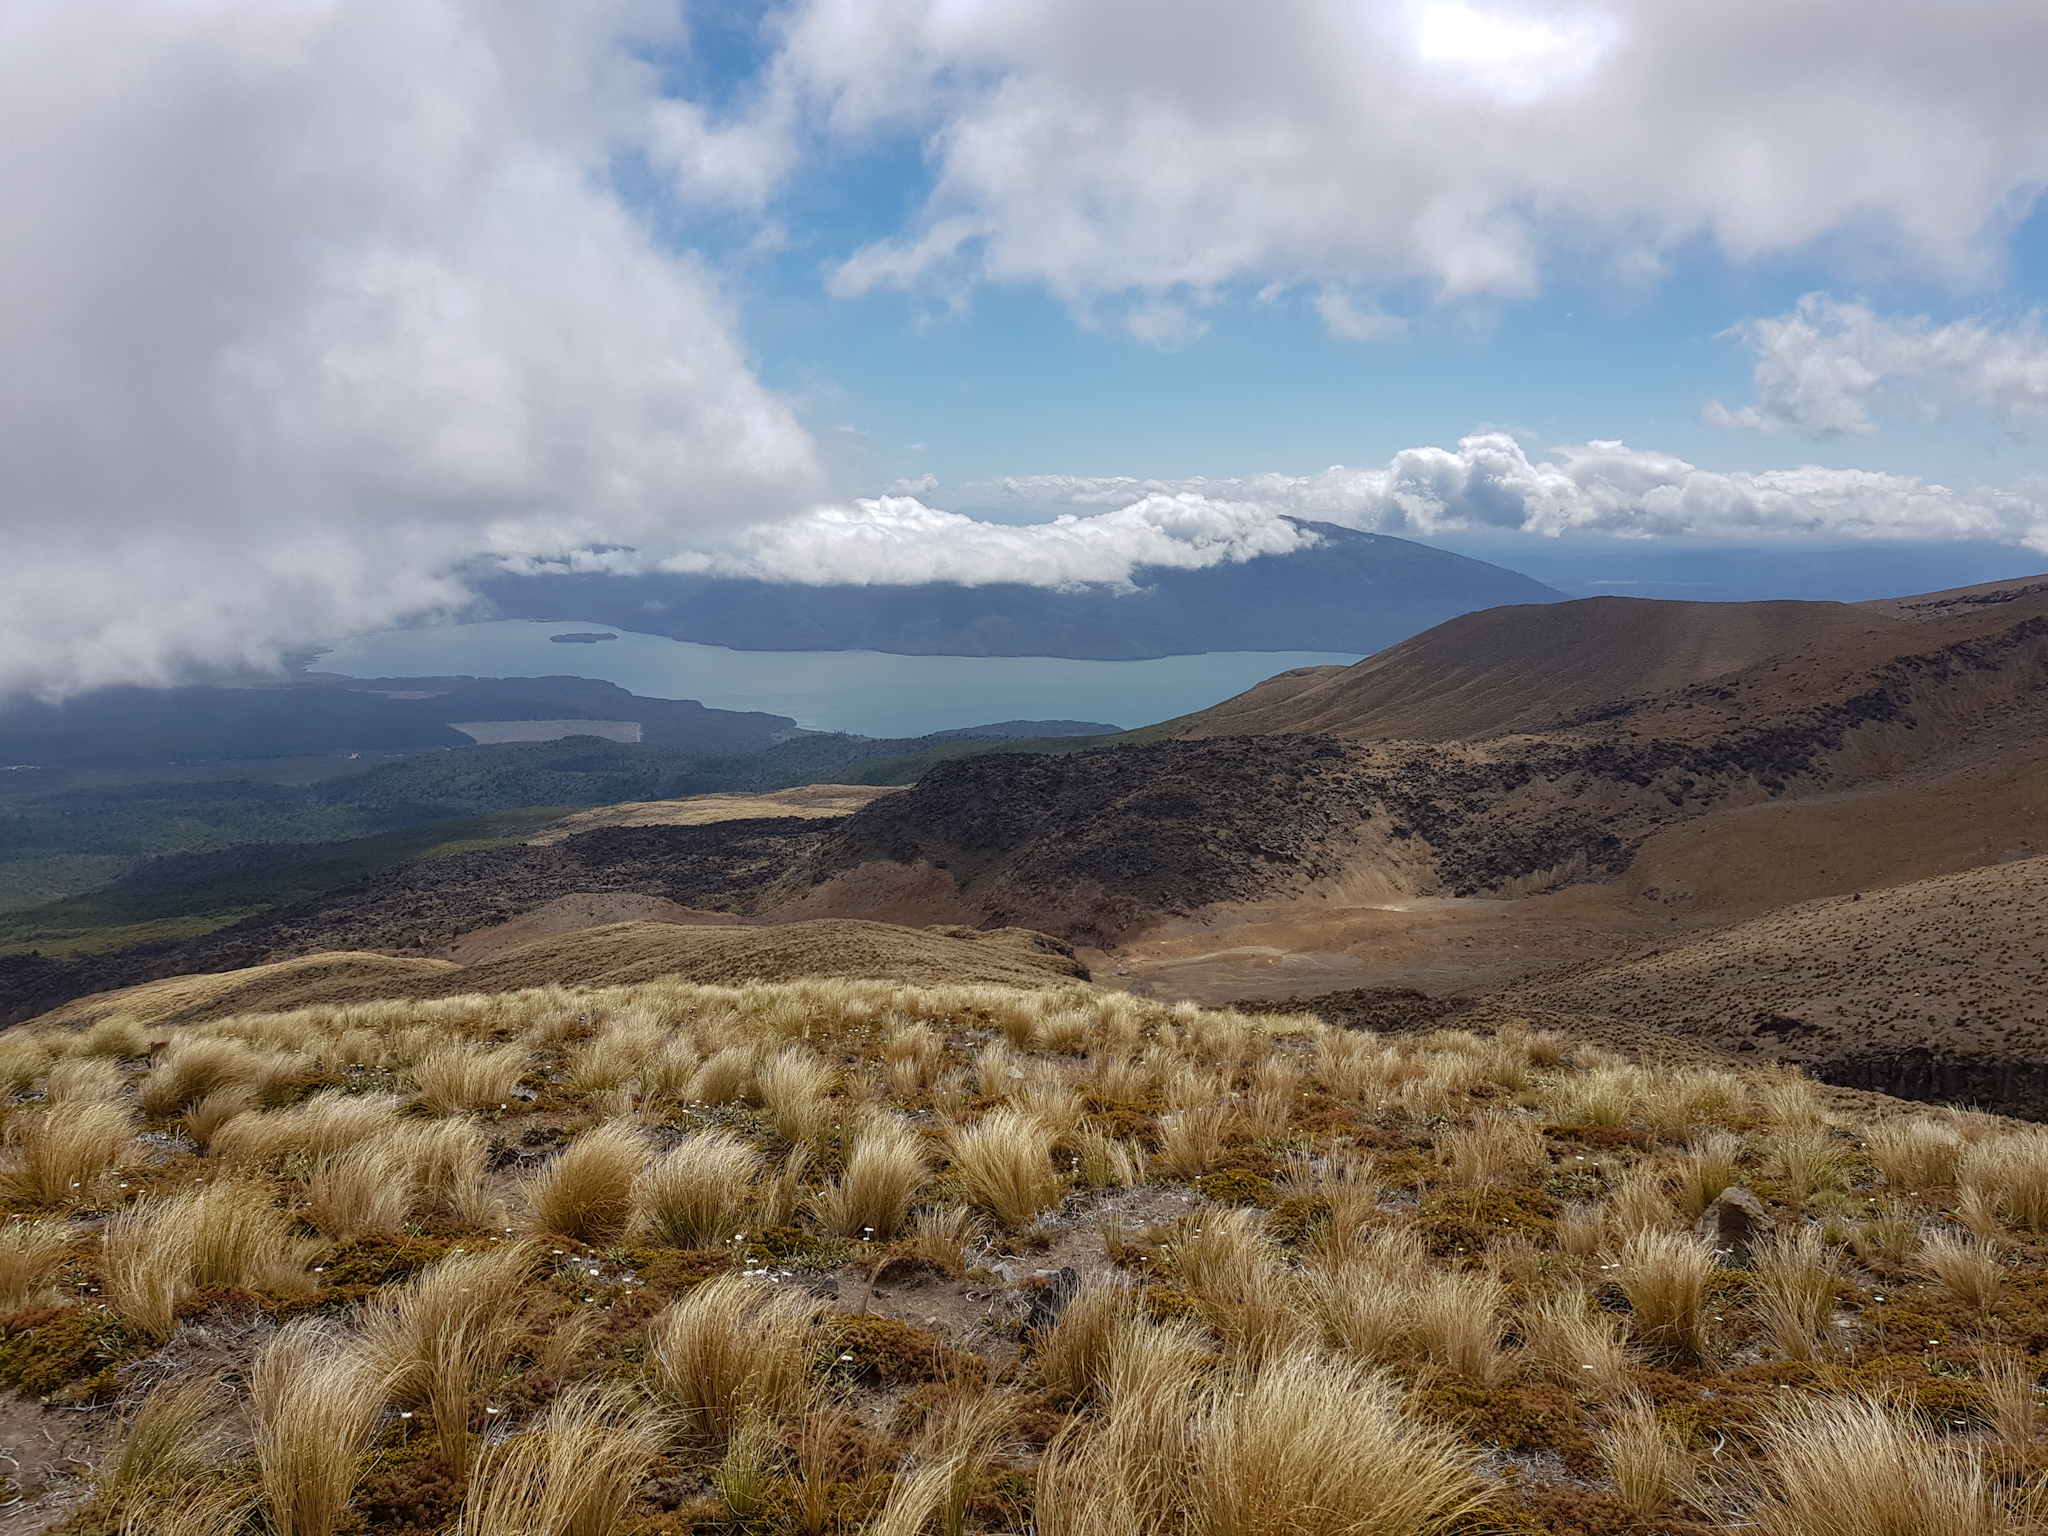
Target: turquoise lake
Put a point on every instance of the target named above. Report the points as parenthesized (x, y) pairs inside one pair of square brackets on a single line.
[(869, 693)]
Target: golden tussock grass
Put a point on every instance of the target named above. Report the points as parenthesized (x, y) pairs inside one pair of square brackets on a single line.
[(1311, 1447), (314, 1401), (697, 1194), (1234, 1273), (794, 1088), (1575, 1343), (85, 1080), (441, 1338), (729, 1351), (54, 1156), (1486, 1148), (457, 1079), (1916, 1154), (1666, 1277), (886, 1170), (31, 1252), (1846, 1466), (586, 1190), (1074, 1354), (1965, 1267), (575, 1473), (167, 1439), (117, 1036), (808, 1115), (1647, 1469), (1004, 1166), (1797, 1275), (227, 1233), (325, 1124), (2008, 1174)]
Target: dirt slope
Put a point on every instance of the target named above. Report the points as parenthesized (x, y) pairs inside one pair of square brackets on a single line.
[(617, 955), (1933, 989)]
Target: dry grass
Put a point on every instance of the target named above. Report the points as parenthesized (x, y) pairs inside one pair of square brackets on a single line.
[(325, 1124), (1648, 1471), (697, 1194), (1665, 1277), (193, 1066), (61, 1154), (314, 1402), (886, 1169), (1854, 1467), (457, 1079), (440, 1339), (1004, 1166), (2009, 1174), (31, 1253), (167, 1439), (1796, 1279), (794, 1087), (158, 1251), (1309, 1447), (586, 1190), (731, 1351), (1490, 1146), (807, 1115), (1964, 1267), (1916, 1154), (575, 1473)]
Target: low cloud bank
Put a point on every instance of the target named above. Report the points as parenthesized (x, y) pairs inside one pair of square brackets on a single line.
[(1488, 484)]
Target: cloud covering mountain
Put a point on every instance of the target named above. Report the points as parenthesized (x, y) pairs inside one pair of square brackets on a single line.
[(310, 312)]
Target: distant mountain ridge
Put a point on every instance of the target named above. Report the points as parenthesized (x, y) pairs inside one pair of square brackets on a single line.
[(1348, 592)]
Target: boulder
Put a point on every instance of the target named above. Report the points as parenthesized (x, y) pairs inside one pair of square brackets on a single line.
[(1733, 1224)]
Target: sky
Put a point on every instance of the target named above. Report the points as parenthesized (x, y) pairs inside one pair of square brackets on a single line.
[(311, 312)]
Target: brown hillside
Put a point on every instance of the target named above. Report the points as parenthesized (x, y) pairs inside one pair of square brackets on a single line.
[(1520, 669), (618, 955), (1934, 989)]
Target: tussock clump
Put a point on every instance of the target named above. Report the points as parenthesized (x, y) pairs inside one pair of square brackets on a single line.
[(458, 1079), (1965, 1267), (1004, 1166), (1308, 1447), (697, 1193), (1796, 1278), (1649, 1471), (227, 1233), (85, 1080), (730, 1351), (61, 1154), (575, 1473), (1841, 1465), (438, 1340), (2009, 1175), (886, 1168), (193, 1066), (587, 1190), (315, 1402), (30, 1254), (325, 1124), (1916, 1154), (1665, 1276)]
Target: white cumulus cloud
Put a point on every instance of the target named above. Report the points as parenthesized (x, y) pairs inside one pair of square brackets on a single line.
[(1490, 483), (1822, 368), (898, 540), (302, 305), (1114, 154)]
